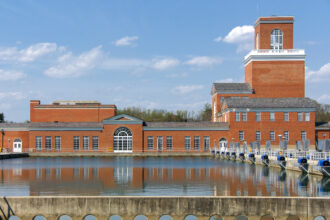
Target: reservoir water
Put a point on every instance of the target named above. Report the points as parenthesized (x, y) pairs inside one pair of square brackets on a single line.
[(152, 176)]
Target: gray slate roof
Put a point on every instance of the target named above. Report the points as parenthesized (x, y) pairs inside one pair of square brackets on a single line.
[(323, 126), (52, 125), (232, 88), (194, 124), (270, 103)]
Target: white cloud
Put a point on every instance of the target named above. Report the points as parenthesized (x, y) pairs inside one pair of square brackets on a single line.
[(121, 63), (184, 89), (75, 66), (162, 64), (241, 35), (11, 75), (325, 98), (28, 54), (202, 61), (177, 75), (12, 95), (126, 41), (228, 80), (321, 75)]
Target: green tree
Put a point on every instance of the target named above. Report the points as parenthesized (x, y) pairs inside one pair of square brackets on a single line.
[(2, 118)]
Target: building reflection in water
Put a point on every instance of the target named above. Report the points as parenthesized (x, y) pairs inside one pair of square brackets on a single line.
[(145, 176)]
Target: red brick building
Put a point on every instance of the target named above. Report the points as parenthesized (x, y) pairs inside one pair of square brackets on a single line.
[(270, 105)]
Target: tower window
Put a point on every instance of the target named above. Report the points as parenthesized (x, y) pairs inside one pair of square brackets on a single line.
[(276, 39)]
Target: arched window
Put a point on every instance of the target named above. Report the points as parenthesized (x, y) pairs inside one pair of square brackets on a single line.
[(276, 39), (122, 140)]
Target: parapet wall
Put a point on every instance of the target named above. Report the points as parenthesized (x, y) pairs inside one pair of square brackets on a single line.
[(77, 207)]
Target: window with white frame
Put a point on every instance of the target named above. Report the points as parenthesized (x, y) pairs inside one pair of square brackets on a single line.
[(206, 143), (150, 141), (258, 136), (196, 142), (307, 116), (244, 116), (257, 41), (38, 143), (57, 142), (258, 116), (237, 116), (85, 142), (272, 116), (95, 142), (48, 142), (241, 135), (76, 142), (272, 135), (169, 142), (160, 142), (286, 135), (286, 116), (303, 135), (187, 142), (276, 39), (300, 116)]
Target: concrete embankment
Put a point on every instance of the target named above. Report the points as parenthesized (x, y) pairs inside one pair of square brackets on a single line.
[(12, 155), (111, 154)]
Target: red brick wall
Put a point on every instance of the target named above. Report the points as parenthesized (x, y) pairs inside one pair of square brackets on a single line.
[(275, 79), (321, 135), (10, 136)]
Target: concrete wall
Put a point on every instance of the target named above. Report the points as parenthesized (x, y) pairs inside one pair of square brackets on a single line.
[(254, 208)]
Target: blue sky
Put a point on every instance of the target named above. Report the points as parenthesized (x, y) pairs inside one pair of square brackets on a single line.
[(152, 54)]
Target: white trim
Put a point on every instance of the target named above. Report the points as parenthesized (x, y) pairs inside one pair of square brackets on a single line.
[(123, 151)]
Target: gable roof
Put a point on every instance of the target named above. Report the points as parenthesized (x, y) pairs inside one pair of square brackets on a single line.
[(118, 120), (231, 88), (194, 125)]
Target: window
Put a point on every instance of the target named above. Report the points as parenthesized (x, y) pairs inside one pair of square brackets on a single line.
[(85, 142), (122, 140), (272, 136), (38, 142), (257, 41), (272, 116), (237, 116), (150, 141), (95, 142), (206, 143), (286, 135), (159, 142), (48, 142), (57, 142), (187, 142), (75, 142), (258, 136), (244, 116), (307, 116), (258, 116), (303, 135), (276, 39), (241, 135), (286, 116), (169, 143), (196, 143), (300, 116)]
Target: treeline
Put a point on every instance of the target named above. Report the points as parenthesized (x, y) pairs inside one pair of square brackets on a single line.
[(159, 115), (322, 113), (2, 118)]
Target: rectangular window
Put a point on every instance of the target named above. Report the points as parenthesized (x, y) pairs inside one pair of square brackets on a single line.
[(85, 142), (187, 142), (95, 142), (286, 116), (150, 143), (237, 116), (160, 142), (307, 116), (75, 142), (169, 143), (303, 135), (286, 135), (48, 142), (241, 135), (38, 142), (244, 116), (258, 136), (258, 116), (300, 116), (57, 142), (272, 136), (206, 143), (197, 143), (272, 116)]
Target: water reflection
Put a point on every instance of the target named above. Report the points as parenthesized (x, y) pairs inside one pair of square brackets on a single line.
[(152, 176)]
